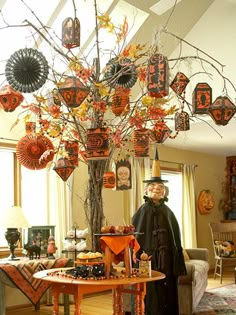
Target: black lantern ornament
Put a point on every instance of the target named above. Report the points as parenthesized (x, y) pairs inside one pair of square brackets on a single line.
[(141, 142), (222, 110), (27, 70), (182, 121), (179, 83), (64, 168), (202, 98), (71, 33), (73, 91), (160, 132), (158, 76)]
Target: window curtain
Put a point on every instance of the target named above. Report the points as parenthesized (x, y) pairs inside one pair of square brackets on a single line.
[(189, 207), (133, 198), (59, 207)]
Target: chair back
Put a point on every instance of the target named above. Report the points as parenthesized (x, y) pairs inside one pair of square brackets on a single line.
[(224, 239)]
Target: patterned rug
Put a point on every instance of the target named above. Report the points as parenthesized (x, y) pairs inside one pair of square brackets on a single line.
[(220, 300)]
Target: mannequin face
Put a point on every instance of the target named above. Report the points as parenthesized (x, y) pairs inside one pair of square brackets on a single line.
[(156, 191)]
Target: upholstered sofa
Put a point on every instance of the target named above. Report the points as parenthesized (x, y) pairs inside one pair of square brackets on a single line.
[(192, 286)]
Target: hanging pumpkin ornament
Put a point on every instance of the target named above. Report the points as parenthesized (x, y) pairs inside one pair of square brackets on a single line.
[(64, 168), (222, 110), (9, 98), (27, 70), (73, 91), (141, 142), (179, 83), (30, 149), (158, 76), (71, 33), (121, 73), (202, 98), (120, 101), (109, 180), (97, 143)]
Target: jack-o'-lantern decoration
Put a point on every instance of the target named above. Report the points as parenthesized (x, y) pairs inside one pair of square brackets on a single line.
[(109, 180), (205, 201)]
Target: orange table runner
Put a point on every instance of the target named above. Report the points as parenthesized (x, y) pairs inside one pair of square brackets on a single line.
[(21, 275)]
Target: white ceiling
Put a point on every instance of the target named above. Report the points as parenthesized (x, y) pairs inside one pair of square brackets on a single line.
[(207, 24)]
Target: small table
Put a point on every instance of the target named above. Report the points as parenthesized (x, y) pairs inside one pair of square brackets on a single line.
[(19, 274), (77, 287)]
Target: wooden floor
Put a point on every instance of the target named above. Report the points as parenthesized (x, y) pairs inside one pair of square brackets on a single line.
[(102, 303)]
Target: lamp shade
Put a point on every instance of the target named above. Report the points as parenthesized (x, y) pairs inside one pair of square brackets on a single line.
[(13, 217)]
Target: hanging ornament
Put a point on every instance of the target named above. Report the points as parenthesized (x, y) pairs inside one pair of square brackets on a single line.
[(97, 143), (202, 98), (71, 33), (9, 98), (179, 83), (160, 132), (158, 76), (123, 175), (72, 149), (64, 168), (121, 73), (182, 121), (222, 110), (27, 70), (141, 142), (73, 91), (30, 127), (109, 180), (120, 101), (30, 149)]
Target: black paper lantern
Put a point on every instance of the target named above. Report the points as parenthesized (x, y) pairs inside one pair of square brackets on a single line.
[(71, 33), (64, 168), (182, 121), (27, 70), (202, 98), (179, 83), (222, 110)]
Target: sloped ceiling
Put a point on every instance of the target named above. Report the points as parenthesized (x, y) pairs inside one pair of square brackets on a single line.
[(207, 24)]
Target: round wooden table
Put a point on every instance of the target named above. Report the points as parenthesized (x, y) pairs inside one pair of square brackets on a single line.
[(78, 287)]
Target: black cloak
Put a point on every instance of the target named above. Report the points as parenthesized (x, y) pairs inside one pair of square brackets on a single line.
[(161, 240)]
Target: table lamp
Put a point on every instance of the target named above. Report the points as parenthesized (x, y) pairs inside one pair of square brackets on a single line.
[(12, 219)]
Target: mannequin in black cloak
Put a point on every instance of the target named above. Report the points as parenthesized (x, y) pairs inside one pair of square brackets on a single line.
[(161, 240)]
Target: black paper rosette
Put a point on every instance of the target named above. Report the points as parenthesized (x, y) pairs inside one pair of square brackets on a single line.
[(27, 70), (121, 73)]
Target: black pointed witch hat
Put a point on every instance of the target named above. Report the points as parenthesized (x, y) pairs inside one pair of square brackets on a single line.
[(156, 172)]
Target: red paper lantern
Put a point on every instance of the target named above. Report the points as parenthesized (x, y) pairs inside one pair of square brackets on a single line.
[(71, 33), (97, 143), (158, 76), (109, 180), (182, 121), (64, 168), (9, 98), (222, 110), (179, 83), (160, 132), (73, 91), (72, 149), (141, 142), (202, 98), (120, 101)]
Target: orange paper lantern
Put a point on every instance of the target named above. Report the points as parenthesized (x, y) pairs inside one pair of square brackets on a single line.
[(9, 98)]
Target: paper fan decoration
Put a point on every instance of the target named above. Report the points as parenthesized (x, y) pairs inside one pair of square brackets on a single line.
[(30, 149), (27, 70)]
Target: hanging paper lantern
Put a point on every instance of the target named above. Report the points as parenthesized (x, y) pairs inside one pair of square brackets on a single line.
[(160, 132), (179, 83), (27, 70), (222, 110), (182, 121), (30, 149), (123, 175), (9, 98), (73, 91), (158, 76), (109, 180), (141, 142), (202, 98), (97, 143), (120, 101), (64, 168), (72, 149), (71, 33), (121, 73)]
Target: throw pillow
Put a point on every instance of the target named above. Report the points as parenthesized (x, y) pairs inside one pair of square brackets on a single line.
[(225, 248)]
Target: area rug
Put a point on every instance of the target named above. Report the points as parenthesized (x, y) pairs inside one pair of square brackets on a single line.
[(220, 300)]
